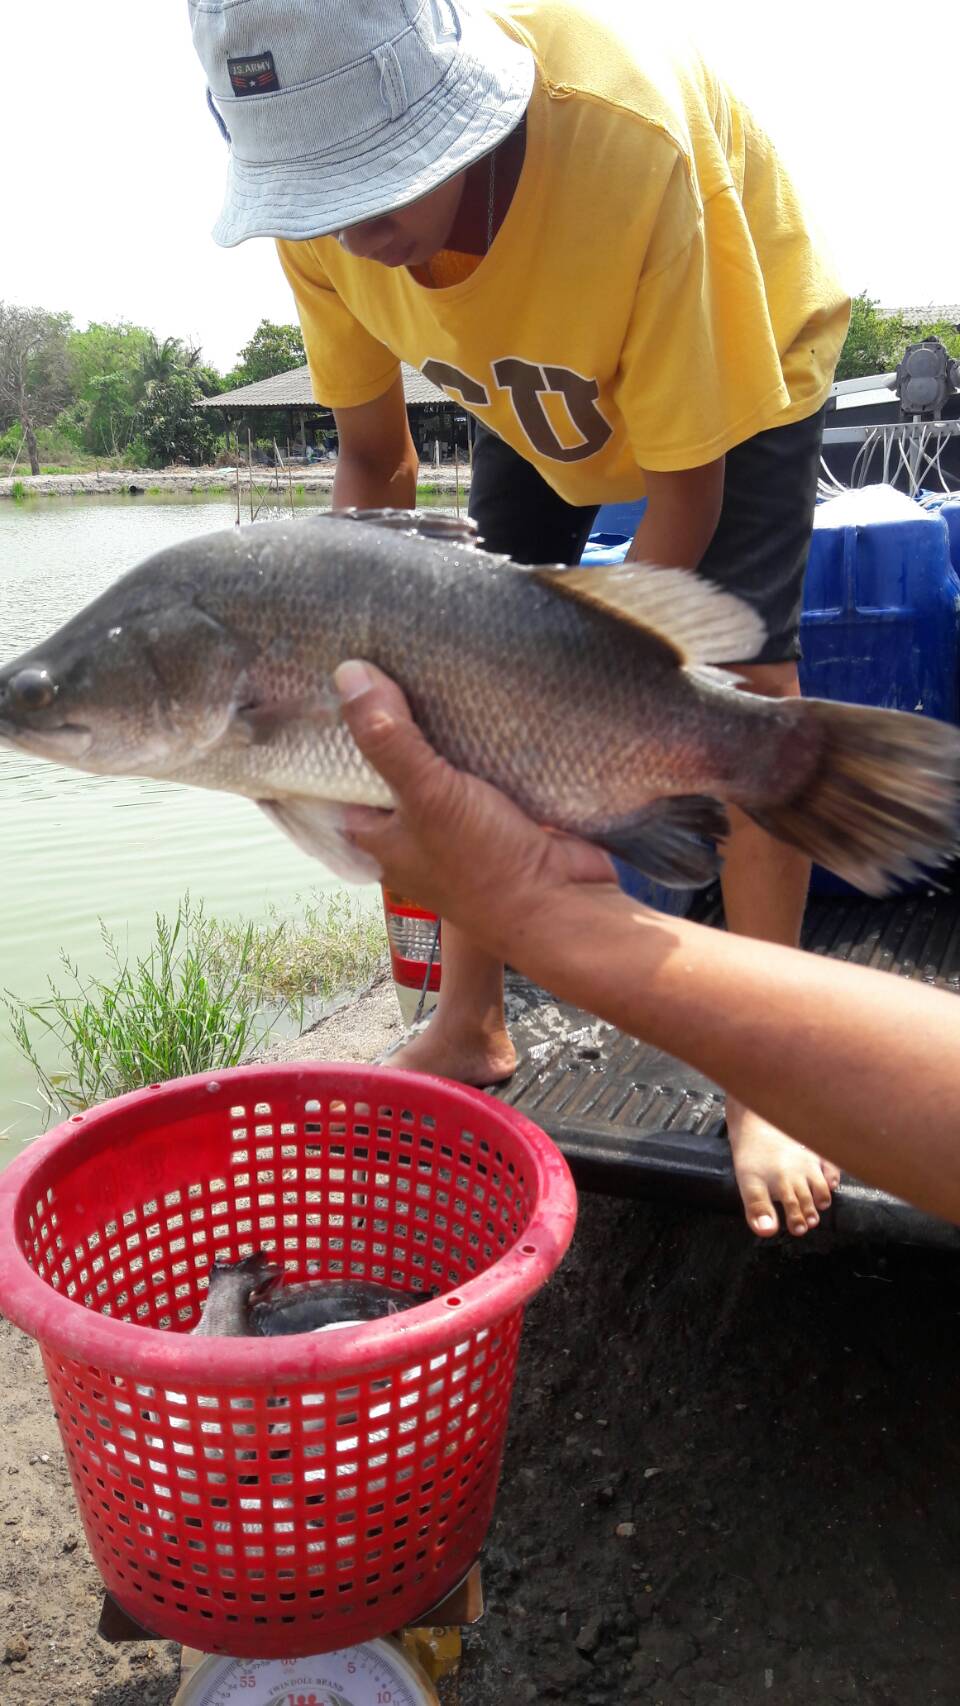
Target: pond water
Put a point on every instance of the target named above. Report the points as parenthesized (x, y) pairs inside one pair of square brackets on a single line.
[(76, 849)]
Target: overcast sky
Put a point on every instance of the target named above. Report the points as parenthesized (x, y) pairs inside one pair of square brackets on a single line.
[(115, 167)]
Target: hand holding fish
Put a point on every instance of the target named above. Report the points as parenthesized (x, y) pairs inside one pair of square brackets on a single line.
[(809, 1041), (454, 844)]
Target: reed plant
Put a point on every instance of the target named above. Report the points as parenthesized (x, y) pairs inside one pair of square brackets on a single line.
[(205, 995)]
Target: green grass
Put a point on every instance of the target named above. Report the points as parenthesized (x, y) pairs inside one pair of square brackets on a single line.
[(176, 1009), (335, 944), (201, 998), (18, 491)]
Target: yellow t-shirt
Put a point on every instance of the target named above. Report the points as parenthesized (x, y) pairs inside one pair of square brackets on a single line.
[(652, 298)]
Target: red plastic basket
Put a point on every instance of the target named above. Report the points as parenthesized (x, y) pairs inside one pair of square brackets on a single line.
[(276, 1497)]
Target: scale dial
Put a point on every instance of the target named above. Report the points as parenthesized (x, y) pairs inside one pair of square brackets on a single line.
[(375, 1673)]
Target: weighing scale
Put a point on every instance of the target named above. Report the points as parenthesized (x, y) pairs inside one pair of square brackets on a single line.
[(370, 1674), (395, 1670)]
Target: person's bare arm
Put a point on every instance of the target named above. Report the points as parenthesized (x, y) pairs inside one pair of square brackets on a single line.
[(680, 518), (857, 1062), (377, 464)]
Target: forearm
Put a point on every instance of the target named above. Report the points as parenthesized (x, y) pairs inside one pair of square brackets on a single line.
[(680, 518), (377, 465), (863, 1067), (856, 1064), (362, 484)]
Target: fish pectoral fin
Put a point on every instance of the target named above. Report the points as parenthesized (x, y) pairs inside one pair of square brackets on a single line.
[(260, 724), (672, 840), (699, 621), (316, 826), (424, 523)]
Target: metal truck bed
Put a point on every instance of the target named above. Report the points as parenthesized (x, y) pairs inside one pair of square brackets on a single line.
[(634, 1122)]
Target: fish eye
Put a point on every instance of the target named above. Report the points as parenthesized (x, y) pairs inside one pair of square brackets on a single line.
[(32, 689)]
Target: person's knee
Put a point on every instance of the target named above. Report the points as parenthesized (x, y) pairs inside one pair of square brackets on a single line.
[(771, 680)]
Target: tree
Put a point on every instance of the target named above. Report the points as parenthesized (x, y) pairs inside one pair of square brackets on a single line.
[(272, 349), (159, 362), (105, 347), (876, 342), (105, 367), (171, 427), (34, 370), (211, 382)]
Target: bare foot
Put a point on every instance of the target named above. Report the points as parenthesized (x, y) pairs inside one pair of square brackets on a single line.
[(771, 1168), (474, 1056)]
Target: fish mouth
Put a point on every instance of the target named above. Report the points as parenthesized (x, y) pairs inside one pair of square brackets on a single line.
[(68, 741)]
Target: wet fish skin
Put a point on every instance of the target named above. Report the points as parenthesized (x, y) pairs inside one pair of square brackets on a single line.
[(313, 1306), (232, 1289), (247, 1298), (211, 664)]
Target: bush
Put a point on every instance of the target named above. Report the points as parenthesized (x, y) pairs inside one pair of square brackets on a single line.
[(137, 454), (57, 443), (10, 442), (171, 427), (876, 342), (198, 1000), (183, 1007), (335, 945)]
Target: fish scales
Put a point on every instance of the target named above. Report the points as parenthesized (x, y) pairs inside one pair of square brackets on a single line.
[(495, 664), (581, 694)]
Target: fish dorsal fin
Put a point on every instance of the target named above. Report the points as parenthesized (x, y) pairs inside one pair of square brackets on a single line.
[(423, 523), (699, 621)]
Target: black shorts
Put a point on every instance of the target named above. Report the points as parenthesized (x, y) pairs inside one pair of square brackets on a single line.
[(759, 550)]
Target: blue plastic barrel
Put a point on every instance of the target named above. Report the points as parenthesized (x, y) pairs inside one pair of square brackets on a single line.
[(620, 518), (880, 623), (950, 512), (613, 530), (880, 607), (881, 615)]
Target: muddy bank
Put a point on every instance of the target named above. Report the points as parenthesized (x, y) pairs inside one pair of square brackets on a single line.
[(732, 1477), (222, 481)]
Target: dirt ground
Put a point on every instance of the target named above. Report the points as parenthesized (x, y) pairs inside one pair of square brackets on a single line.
[(732, 1476)]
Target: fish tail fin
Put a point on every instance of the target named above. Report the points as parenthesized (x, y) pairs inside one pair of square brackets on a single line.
[(881, 803)]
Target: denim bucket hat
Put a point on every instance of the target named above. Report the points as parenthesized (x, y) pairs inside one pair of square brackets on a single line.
[(337, 111)]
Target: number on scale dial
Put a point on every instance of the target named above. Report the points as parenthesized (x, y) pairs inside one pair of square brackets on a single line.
[(376, 1673)]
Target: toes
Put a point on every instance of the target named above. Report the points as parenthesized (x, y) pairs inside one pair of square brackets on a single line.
[(793, 1214), (806, 1206), (821, 1189), (832, 1174), (758, 1206)]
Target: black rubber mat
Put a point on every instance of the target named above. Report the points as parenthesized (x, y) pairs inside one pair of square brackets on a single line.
[(634, 1122)]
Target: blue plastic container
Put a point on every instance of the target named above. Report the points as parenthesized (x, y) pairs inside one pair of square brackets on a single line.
[(950, 512), (880, 607), (613, 530), (880, 623), (881, 615), (620, 518)]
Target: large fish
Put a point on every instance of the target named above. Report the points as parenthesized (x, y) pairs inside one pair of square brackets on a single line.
[(248, 1298), (587, 695), (317, 1306)]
